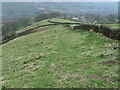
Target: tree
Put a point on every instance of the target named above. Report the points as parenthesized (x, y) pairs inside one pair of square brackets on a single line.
[(93, 17), (11, 27), (49, 15), (24, 21), (41, 17), (111, 18), (97, 18)]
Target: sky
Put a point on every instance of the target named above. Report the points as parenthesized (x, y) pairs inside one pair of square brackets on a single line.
[(60, 0)]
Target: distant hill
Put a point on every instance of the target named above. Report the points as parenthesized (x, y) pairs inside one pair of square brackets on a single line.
[(13, 10)]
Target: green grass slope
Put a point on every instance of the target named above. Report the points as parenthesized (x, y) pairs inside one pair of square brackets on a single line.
[(59, 57), (36, 24), (59, 20), (115, 26), (44, 22)]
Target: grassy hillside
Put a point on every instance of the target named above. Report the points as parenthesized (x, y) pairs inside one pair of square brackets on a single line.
[(115, 26), (59, 57), (35, 25), (59, 20), (45, 22)]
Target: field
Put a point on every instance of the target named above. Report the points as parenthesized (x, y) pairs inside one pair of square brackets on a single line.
[(44, 22), (63, 20), (115, 26), (58, 57)]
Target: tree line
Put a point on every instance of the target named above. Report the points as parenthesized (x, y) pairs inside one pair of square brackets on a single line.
[(111, 18), (49, 15), (13, 26)]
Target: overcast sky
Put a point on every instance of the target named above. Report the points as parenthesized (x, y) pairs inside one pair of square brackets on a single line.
[(59, 0)]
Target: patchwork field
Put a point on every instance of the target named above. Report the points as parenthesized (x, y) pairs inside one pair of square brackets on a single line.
[(58, 57)]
